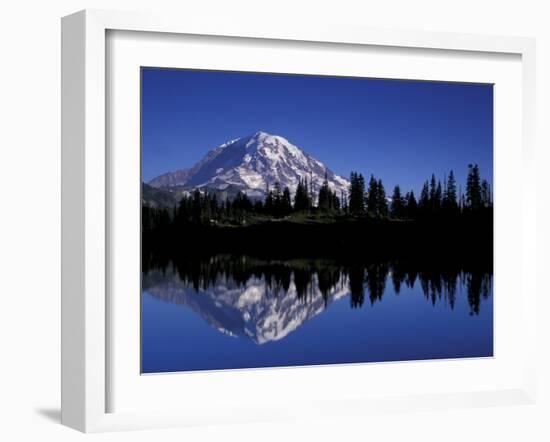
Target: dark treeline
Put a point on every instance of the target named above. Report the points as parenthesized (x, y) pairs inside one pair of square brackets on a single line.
[(442, 222), (365, 281), (436, 200)]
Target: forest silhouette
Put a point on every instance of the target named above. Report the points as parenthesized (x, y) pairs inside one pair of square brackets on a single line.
[(443, 221), (366, 281)]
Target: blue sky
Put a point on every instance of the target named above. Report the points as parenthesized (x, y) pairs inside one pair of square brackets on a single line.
[(401, 131)]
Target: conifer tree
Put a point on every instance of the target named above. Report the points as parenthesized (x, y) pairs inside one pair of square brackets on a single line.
[(197, 206), (286, 204), (326, 198), (242, 202), (184, 212), (269, 205), (381, 201), (308, 198), (473, 188), (486, 199), (424, 202), (433, 184), (311, 190), (357, 194), (343, 202), (450, 205), (372, 197), (411, 205), (277, 196), (397, 203), (438, 197), (336, 205), (146, 218), (301, 198), (435, 194)]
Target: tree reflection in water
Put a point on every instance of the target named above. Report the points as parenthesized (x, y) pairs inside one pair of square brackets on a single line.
[(308, 277)]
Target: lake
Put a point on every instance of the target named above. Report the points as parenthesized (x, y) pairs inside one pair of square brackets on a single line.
[(227, 312)]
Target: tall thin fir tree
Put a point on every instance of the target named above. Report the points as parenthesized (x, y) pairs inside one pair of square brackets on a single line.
[(307, 195), (473, 188), (277, 199), (197, 203), (344, 202), (297, 196), (372, 197), (269, 203), (397, 203), (438, 197), (486, 198), (449, 197), (433, 189), (424, 201), (286, 201), (361, 193), (357, 194), (325, 199), (382, 202), (412, 205), (301, 198), (336, 204), (311, 189)]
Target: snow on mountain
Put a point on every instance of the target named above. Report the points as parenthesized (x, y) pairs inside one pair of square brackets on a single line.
[(251, 164), (253, 311)]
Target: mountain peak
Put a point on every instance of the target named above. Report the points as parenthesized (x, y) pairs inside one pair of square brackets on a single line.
[(261, 137), (254, 163), (261, 134)]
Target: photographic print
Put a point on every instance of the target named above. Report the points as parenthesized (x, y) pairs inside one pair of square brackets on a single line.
[(294, 220)]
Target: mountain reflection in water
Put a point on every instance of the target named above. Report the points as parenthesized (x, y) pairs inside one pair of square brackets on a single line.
[(264, 301)]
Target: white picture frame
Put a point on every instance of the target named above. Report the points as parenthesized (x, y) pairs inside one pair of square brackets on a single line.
[(85, 214)]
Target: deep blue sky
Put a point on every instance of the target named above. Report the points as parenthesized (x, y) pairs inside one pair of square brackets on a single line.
[(401, 131)]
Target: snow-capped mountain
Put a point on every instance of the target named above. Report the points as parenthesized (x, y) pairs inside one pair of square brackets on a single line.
[(251, 164), (253, 311)]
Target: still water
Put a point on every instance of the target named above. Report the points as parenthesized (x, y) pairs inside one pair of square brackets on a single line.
[(225, 312)]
